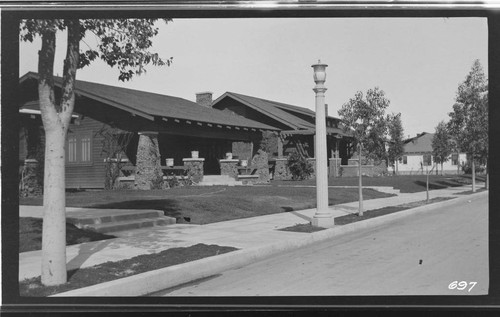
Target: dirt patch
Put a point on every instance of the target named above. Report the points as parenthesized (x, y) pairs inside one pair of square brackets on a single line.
[(303, 227)]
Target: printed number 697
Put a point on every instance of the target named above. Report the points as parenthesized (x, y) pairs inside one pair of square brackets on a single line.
[(462, 285)]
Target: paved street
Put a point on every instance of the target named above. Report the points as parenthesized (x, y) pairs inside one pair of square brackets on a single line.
[(418, 255)]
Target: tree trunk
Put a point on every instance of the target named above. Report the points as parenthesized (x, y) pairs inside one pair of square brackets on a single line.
[(473, 175), (487, 178), (54, 210), (360, 184), (56, 120)]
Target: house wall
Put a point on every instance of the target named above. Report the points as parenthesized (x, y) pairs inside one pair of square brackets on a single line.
[(91, 174), (413, 165)]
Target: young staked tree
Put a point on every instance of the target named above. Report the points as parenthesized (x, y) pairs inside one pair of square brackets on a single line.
[(124, 43), (365, 119), (468, 123), (396, 142), (442, 146)]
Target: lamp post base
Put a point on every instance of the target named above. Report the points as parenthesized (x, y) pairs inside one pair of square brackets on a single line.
[(323, 221)]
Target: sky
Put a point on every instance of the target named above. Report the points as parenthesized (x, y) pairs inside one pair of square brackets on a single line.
[(417, 62)]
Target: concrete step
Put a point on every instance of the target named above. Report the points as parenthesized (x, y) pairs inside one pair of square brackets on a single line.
[(130, 224), (112, 220), (387, 189), (212, 180), (112, 217)]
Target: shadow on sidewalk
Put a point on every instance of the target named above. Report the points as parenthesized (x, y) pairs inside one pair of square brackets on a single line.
[(85, 252)]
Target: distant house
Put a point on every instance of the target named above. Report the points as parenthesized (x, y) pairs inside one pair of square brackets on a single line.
[(233, 123), (418, 154)]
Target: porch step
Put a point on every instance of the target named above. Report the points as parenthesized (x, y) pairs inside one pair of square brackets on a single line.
[(112, 220), (386, 189), (213, 180)]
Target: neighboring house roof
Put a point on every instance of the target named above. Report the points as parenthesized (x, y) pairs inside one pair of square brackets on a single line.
[(422, 143), (281, 112), (149, 104)]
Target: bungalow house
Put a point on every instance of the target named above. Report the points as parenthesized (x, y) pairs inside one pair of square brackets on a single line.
[(233, 123), (418, 154), (180, 126)]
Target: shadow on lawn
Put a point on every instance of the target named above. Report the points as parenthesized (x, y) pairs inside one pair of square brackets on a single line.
[(431, 185), (170, 207), (450, 183)]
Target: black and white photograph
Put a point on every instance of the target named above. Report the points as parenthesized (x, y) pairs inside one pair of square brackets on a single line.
[(256, 156)]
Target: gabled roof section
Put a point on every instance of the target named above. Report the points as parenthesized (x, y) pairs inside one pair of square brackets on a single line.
[(282, 112), (419, 144), (149, 104), (272, 109)]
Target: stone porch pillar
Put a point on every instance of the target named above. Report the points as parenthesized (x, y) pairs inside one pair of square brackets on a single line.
[(229, 168), (31, 185), (148, 173), (194, 167)]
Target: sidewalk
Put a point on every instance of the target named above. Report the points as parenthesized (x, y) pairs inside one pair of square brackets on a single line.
[(244, 234)]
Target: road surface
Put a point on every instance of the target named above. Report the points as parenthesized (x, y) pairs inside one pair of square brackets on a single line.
[(421, 254)]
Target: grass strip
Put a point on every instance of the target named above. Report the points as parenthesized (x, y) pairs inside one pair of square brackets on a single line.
[(343, 220), (469, 192), (109, 271)]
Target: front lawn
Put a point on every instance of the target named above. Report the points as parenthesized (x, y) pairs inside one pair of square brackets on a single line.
[(405, 183), (202, 205)]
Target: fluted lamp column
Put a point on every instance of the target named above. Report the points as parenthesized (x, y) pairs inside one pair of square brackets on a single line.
[(322, 217)]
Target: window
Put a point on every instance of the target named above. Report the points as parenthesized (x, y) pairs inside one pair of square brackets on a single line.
[(86, 149), (71, 155), (454, 159), (79, 148), (405, 159)]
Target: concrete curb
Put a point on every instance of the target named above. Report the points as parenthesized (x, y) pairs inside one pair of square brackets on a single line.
[(154, 281)]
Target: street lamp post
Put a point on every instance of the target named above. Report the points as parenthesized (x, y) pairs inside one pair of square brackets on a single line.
[(322, 217)]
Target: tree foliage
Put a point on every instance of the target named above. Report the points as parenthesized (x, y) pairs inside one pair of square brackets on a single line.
[(124, 43), (468, 123), (365, 118), (442, 145), (396, 135)]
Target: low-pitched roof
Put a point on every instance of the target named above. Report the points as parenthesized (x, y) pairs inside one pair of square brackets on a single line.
[(149, 104)]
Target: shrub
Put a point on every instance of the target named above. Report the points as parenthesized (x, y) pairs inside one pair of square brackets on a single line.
[(467, 168), (299, 167)]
